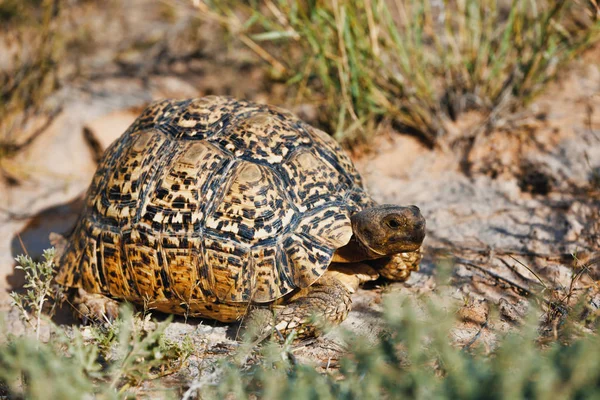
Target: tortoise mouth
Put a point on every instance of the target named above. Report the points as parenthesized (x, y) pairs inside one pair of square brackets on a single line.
[(397, 244), (407, 243), (412, 240)]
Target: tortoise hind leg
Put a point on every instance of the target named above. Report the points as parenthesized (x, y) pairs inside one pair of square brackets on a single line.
[(93, 307), (328, 298)]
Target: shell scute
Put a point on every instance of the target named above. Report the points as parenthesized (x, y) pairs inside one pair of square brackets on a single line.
[(142, 251), (182, 266), (115, 196), (263, 137), (117, 278), (177, 201), (312, 181), (307, 258), (253, 209), (228, 270)]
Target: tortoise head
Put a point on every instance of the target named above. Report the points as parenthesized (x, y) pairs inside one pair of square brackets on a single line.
[(389, 229)]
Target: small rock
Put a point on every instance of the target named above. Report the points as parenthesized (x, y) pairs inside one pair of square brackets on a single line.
[(476, 312), (513, 312)]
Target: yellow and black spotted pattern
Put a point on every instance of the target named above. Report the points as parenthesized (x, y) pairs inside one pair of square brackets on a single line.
[(206, 205)]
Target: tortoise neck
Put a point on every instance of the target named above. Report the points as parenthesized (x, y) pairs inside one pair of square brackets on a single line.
[(354, 251)]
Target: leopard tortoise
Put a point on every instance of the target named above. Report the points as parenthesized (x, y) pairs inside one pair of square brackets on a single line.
[(216, 207)]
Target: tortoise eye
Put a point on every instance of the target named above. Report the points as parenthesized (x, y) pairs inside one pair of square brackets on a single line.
[(393, 223)]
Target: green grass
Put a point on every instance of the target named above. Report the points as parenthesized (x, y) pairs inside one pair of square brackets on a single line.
[(40, 296), (419, 64)]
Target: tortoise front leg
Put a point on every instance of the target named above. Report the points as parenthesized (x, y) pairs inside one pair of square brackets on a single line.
[(399, 266), (328, 299)]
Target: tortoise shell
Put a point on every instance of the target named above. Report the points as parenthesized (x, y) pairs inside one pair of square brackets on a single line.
[(209, 202)]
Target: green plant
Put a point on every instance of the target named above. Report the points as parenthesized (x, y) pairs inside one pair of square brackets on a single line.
[(40, 294), (106, 361), (33, 370), (142, 353), (418, 63), (416, 359)]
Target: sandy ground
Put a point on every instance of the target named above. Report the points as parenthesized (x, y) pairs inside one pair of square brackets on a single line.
[(530, 196)]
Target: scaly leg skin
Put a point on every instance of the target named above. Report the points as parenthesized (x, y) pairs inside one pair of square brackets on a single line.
[(96, 308), (399, 266), (352, 275), (328, 299)]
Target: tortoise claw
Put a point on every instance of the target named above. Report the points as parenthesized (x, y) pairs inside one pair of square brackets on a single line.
[(95, 308)]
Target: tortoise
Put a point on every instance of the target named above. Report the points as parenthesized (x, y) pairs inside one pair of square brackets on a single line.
[(215, 207)]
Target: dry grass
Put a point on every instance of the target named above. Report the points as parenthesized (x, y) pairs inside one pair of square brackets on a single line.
[(418, 64), (31, 74)]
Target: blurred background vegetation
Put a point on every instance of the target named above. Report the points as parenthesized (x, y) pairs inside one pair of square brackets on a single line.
[(416, 64), (413, 357)]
